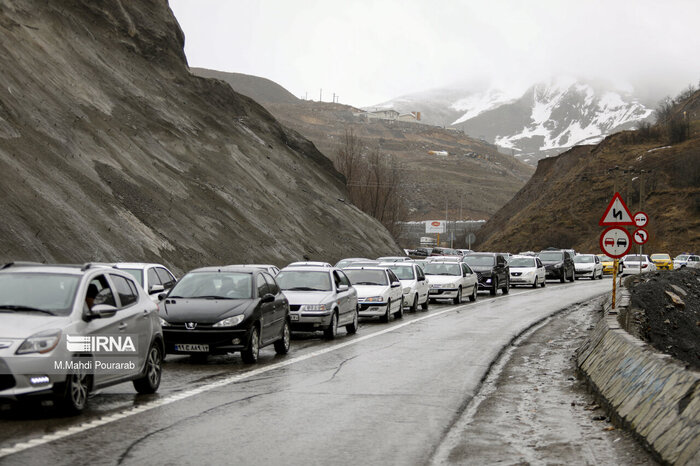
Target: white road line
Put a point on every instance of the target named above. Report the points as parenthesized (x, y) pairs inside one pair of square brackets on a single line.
[(88, 425)]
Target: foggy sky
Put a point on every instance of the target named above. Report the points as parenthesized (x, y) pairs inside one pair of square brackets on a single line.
[(370, 51)]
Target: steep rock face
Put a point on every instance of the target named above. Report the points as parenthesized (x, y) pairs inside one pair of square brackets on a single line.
[(111, 150)]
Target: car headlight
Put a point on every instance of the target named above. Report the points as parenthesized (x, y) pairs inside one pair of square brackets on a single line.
[(558, 265), (163, 322), (407, 290), (230, 321), (315, 307), (40, 343), (374, 299)]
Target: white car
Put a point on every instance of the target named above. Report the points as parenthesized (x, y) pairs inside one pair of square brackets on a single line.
[(686, 260), (527, 270), (634, 264), (379, 292), (588, 265), (394, 259), (415, 285), (154, 278), (269, 268), (450, 280), (310, 264)]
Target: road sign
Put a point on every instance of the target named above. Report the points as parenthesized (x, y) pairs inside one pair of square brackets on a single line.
[(617, 213), (640, 236), (615, 242), (641, 219), (435, 226)]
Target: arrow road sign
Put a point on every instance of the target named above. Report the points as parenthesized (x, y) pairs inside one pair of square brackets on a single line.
[(617, 213), (641, 219), (615, 242), (640, 236)]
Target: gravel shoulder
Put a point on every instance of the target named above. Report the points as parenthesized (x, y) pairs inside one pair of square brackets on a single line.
[(533, 410)]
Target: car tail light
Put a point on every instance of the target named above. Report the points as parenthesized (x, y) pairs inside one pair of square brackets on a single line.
[(644, 266)]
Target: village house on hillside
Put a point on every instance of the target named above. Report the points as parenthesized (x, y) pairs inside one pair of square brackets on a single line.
[(388, 114)]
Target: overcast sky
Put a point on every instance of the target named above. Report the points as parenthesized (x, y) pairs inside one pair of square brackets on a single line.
[(370, 51)]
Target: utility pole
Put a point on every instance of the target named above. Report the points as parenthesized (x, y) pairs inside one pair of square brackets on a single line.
[(446, 222), (320, 95)]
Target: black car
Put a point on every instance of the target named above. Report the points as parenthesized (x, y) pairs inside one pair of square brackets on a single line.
[(491, 269), (559, 264), (218, 310)]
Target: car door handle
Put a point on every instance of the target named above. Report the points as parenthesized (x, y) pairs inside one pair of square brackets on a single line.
[(123, 325)]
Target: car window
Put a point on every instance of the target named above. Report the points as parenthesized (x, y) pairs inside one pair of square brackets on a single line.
[(261, 285), (299, 279), (336, 279), (419, 272), (466, 268), (403, 272), (136, 273), (479, 260), (166, 278), (539, 262), (49, 291), (152, 277), (127, 297), (366, 277), (392, 277), (104, 293), (271, 284), (344, 279)]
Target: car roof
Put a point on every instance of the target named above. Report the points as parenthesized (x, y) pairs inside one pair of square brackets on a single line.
[(483, 254), (67, 269), (309, 264), (374, 267), (309, 268), (225, 268), (397, 264), (136, 265), (257, 266)]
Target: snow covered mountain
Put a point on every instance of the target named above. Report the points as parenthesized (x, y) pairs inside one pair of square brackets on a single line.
[(546, 119)]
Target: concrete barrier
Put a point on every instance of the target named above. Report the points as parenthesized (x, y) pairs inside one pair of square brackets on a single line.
[(647, 392)]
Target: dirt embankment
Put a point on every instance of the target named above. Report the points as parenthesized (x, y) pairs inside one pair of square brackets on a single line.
[(665, 312), (111, 150)]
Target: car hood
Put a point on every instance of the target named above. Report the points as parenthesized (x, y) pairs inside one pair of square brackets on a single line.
[(441, 279), (309, 297), (204, 311), (365, 291), (523, 269), (23, 325), (584, 266), (545, 263), (482, 268)]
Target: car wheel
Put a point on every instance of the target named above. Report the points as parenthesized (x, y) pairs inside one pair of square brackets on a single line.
[(458, 298), (282, 345), (150, 381), (544, 282), (332, 330), (494, 287), (414, 306), (399, 314), (425, 305), (472, 297), (251, 353), (352, 328), (534, 285), (563, 277), (573, 276), (387, 315), (506, 289), (73, 398)]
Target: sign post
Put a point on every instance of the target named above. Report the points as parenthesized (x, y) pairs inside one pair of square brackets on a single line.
[(640, 236), (435, 226), (616, 241)]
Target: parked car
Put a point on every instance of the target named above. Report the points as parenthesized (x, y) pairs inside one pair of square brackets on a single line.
[(686, 260), (635, 264), (346, 262), (464, 252), (559, 264), (444, 252), (319, 299), (451, 280), (662, 261), (414, 283), (423, 252), (310, 264), (269, 268), (154, 278), (367, 263), (492, 271), (379, 292), (54, 314), (218, 310), (588, 265), (527, 270), (608, 264)]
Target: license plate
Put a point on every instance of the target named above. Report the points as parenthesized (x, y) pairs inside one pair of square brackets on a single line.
[(294, 316), (192, 348)]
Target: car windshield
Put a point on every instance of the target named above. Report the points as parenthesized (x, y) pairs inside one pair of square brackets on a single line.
[(367, 277), (605, 259), (522, 262), (634, 259), (552, 256), (584, 259), (442, 268), (214, 285), (480, 260), (661, 256), (136, 273), (52, 294), (681, 258), (403, 273), (304, 280)]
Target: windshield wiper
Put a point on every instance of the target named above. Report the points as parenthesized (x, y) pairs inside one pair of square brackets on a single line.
[(210, 297), (368, 283), (303, 288), (13, 307)]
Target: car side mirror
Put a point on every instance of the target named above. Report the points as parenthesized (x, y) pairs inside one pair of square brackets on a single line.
[(162, 296), (342, 288), (101, 311), (268, 298), (155, 289), (395, 284), (421, 279)]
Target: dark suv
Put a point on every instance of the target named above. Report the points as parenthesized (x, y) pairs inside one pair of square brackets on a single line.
[(559, 264), (491, 269)]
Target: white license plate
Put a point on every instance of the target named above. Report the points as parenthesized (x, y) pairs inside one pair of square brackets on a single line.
[(193, 348), (294, 316)]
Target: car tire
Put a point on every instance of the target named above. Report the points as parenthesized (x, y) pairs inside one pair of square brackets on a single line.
[(414, 306), (573, 277), (387, 315), (352, 328), (472, 297), (150, 381), (563, 277), (424, 307), (399, 314), (251, 353), (458, 298), (494, 287), (73, 397), (506, 289), (534, 285), (544, 283), (282, 345), (332, 330)]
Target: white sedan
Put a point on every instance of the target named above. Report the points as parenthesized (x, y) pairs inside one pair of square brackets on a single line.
[(635, 264), (527, 270), (451, 280), (588, 265), (414, 283), (379, 292)]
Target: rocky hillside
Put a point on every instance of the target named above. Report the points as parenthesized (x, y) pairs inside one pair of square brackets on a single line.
[(548, 118), (564, 200), (111, 150), (474, 173)]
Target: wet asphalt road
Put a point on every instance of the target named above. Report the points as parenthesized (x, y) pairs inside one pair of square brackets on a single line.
[(387, 395)]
